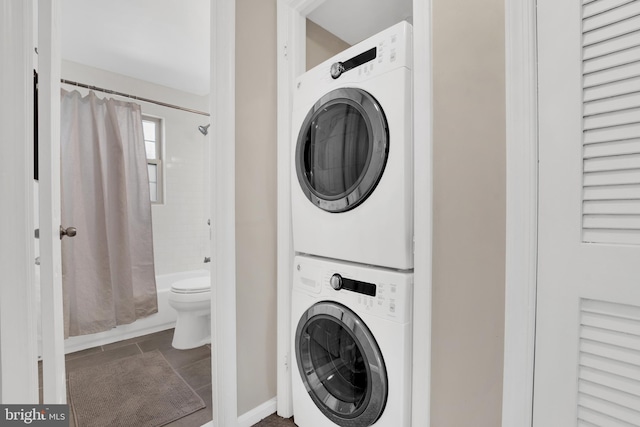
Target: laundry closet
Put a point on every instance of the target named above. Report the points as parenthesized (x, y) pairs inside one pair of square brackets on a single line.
[(467, 239)]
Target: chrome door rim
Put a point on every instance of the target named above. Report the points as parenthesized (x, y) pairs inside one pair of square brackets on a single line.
[(377, 384), (378, 130)]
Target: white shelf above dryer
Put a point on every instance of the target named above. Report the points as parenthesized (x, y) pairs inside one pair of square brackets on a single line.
[(355, 20)]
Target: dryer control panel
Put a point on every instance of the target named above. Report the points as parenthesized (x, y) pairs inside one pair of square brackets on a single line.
[(386, 51), (367, 290)]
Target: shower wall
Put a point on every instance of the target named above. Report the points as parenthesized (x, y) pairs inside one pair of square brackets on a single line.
[(180, 231)]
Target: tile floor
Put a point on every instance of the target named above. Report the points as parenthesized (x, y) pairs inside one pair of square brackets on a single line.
[(275, 421), (194, 366)]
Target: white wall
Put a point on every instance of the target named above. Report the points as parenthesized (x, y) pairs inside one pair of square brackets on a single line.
[(180, 230)]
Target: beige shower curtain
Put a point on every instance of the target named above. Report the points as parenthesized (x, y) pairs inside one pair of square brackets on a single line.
[(107, 268)]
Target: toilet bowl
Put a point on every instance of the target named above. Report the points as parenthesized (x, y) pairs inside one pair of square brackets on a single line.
[(191, 298)]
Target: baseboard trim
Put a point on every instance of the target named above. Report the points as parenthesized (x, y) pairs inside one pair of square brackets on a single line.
[(258, 413)]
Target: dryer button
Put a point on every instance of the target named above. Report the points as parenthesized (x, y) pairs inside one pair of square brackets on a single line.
[(337, 68)]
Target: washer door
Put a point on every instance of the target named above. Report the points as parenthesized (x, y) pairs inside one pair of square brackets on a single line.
[(341, 365), (342, 149)]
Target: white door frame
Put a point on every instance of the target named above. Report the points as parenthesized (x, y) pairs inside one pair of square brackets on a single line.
[(291, 48), (51, 296), (18, 334), (18, 341), (222, 160), (522, 207)]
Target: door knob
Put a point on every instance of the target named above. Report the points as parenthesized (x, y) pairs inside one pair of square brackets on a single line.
[(69, 231)]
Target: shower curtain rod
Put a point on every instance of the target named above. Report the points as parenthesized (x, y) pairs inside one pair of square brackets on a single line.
[(139, 98)]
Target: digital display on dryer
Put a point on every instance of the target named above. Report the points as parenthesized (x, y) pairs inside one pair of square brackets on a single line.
[(363, 58)]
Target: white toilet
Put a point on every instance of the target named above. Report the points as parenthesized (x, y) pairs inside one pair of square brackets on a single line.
[(191, 298)]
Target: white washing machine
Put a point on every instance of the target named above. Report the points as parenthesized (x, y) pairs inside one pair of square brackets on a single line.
[(351, 341), (352, 154)]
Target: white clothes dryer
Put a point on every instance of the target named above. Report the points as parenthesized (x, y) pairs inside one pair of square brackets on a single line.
[(351, 341), (352, 165)]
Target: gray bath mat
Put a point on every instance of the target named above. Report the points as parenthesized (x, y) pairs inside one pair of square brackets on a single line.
[(140, 390)]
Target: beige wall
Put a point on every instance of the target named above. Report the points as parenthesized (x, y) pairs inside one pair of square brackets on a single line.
[(256, 201), (256, 192), (321, 45), (469, 217)]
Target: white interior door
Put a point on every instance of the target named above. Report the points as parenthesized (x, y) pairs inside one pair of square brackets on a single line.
[(587, 364), (18, 345), (49, 63)]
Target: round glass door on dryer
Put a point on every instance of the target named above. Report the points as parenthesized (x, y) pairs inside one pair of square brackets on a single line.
[(342, 149), (352, 167)]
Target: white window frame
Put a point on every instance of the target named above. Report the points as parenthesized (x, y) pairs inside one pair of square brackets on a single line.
[(157, 161)]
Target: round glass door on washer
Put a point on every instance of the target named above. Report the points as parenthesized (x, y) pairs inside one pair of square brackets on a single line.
[(341, 365), (342, 149)]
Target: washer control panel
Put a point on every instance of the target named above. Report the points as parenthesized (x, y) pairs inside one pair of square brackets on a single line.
[(368, 290)]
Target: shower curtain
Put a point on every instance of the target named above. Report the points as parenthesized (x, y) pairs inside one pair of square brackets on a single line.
[(108, 273)]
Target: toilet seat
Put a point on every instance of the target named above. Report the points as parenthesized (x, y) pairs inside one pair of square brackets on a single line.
[(191, 286)]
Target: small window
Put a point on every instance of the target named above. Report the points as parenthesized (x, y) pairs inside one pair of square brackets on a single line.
[(152, 129)]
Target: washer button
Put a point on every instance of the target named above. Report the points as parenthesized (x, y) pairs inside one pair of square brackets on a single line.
[(336, 282)]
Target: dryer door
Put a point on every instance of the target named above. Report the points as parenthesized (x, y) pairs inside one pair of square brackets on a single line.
[(341, 365), (342, 149)]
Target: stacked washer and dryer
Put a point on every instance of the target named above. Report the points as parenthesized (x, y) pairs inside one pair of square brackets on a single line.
[(352, 212)]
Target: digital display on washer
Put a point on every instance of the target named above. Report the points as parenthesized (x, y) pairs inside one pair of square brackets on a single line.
[(359, 287)]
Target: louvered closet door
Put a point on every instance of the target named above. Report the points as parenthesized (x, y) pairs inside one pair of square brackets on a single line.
[(587, 365)]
